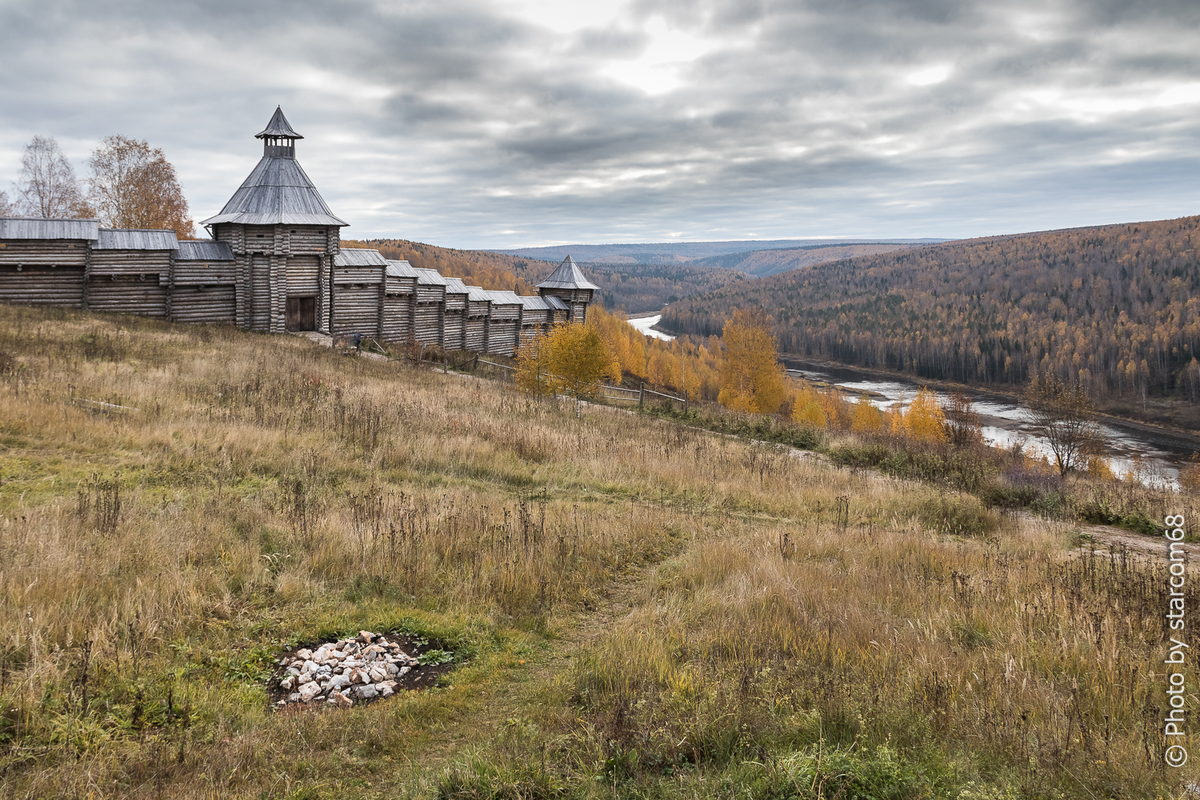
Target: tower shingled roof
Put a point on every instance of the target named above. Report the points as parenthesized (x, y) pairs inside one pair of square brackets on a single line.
[(277, 192), (567, 276), (278, 127)]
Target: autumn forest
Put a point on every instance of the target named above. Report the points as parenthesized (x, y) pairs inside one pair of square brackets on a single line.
[(1113, 307)]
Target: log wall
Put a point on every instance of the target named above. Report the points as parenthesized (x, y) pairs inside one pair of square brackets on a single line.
[(42, 285), (303, 275), (476, 335), (197, 304), (259, 238), (397, 318), (203, 273), (427, 323), (453, 330), (396, 285), (56, 253), (455, 301), (128, 294), (271, 262), (430, 293), (356, 310), (308, 239), (131, 262), (259, 275), (502, 336)]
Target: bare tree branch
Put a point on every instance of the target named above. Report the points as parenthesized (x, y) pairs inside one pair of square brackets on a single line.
[(1064, 415), (47, 187), (964, 426)]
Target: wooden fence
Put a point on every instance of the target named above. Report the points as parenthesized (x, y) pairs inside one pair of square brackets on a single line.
[(629, 395)]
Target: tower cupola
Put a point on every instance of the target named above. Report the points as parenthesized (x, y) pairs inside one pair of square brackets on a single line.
[(279, 140), (277, 192)]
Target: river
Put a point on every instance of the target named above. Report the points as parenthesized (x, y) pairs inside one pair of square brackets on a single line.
[(645, 325), (1157, 455), (1006, 422)]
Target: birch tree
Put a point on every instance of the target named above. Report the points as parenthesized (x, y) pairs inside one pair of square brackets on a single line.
[(571, 359), (47, 188), (578, 360)]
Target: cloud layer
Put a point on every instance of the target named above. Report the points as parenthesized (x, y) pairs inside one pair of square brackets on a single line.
[(511, 123)]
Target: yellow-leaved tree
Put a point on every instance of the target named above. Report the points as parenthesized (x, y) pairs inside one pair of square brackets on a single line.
[(571, 359), (923, 421), (866, 418), (807, 407), (134, 186), (624, 342), (751, 377)]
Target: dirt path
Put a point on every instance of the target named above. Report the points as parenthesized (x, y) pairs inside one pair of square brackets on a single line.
[(512, 698), (1140, 543)]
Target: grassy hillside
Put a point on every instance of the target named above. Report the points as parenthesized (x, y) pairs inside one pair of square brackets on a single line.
[(637, 608), (1116, 307)]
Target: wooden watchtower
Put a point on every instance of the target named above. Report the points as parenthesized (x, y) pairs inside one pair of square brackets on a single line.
[(568, 285), (284, 239)]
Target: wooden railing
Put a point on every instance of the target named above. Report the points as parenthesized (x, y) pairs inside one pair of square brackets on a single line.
[(630, 395)]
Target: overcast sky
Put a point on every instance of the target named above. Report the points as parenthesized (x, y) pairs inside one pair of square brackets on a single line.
[(505, 123)]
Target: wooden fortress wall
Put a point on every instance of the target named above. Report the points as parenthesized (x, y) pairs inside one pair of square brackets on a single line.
[(248, 273)]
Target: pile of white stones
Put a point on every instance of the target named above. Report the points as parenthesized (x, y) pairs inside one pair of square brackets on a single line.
[(341, 672)]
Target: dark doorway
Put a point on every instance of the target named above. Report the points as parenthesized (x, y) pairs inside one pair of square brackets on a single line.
[(301, 314)]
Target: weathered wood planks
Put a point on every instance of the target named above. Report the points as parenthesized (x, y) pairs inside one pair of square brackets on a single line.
[(248, 274)]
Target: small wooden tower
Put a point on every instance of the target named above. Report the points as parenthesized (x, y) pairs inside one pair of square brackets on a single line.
[(284, 239), (568, 284)]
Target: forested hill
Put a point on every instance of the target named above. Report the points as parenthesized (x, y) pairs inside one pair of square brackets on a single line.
[(475, 267), (638, 288), (1114, 306)]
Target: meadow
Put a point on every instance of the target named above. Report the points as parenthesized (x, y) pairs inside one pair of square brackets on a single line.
[(637, 607)]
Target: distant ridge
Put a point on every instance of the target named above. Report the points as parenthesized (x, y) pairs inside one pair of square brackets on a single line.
[(683, 252)]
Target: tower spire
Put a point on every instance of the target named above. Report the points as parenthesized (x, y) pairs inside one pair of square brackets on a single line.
[(278, 137), (277, 192)]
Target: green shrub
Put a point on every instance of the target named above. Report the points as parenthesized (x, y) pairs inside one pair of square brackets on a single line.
[(1098, 511), (878, 774), (957, 515)]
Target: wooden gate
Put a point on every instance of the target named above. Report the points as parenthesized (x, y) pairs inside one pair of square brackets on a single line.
[(301, 314)]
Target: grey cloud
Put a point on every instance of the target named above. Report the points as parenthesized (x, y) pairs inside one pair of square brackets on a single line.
[(454, 122), (612, 42)]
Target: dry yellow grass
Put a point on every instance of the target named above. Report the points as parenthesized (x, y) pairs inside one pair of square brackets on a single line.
[(177, 503)]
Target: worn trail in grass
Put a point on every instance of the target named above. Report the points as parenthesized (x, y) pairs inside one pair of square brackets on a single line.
[(533, 672)]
